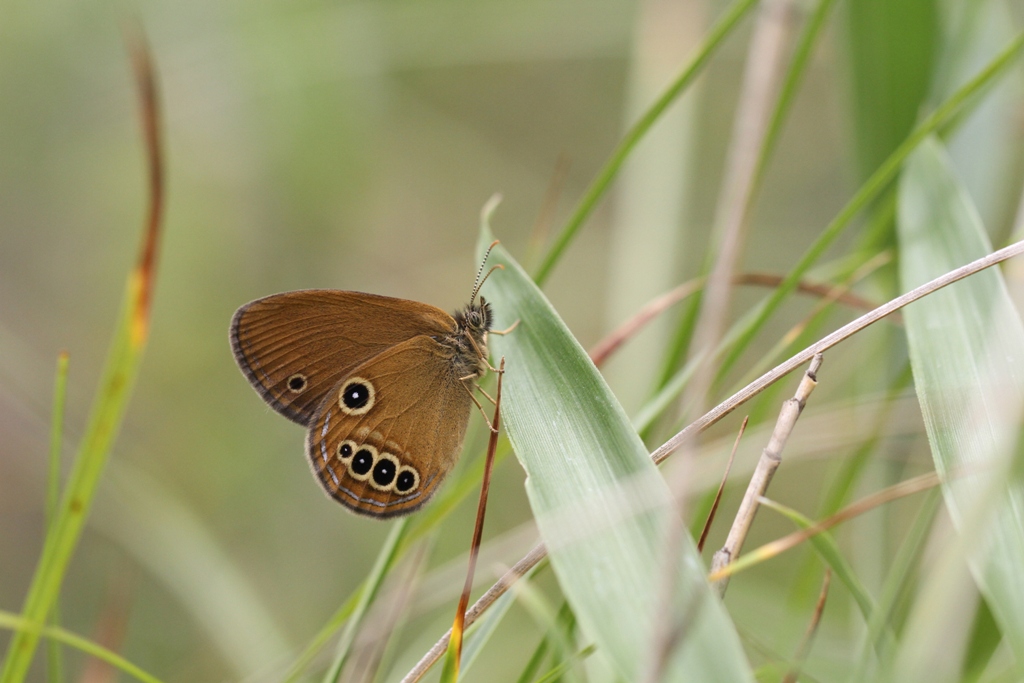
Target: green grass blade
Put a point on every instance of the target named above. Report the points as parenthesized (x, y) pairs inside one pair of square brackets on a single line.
[(54, 663), (600, 503), (450, 671), (607, 174), (56, 438), (530, 670), (559, 624), (787, 93), (560, 670), (985, 639), (829, 551), (967, 353), (20, 625)]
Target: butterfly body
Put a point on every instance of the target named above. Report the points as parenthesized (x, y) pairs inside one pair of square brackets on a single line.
[(383, 386)]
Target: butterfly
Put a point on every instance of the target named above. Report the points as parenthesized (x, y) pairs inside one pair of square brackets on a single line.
[(384, 386)]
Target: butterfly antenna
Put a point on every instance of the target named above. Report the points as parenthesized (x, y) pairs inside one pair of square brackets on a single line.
[(478, 283)]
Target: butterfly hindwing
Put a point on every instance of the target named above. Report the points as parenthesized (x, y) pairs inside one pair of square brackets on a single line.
[(294, 347), (387, 434)]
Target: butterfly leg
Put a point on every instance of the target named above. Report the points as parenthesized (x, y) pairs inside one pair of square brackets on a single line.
[(480, 408), (488, 396), (507, 329), (480, 353)]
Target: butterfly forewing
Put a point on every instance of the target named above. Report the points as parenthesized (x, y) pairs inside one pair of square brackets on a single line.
[(387, 433), (295, 347)]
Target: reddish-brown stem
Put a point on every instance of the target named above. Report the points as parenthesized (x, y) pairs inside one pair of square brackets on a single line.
[(478, 531), (149, 113), (721, 487)]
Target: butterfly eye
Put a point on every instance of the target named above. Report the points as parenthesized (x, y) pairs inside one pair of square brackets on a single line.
[(384, 472), (407, 480), (356, 396), (362, 463), (297, 383)]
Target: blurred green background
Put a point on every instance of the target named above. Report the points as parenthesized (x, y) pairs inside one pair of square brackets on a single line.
[(351, 145)]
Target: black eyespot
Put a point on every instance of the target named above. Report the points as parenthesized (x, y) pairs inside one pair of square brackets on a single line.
[(362, 462), (297, 383), (406, 481), (345, 450), (356, 396), (384, 472)]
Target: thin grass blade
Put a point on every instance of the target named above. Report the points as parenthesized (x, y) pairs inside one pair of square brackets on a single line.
[(13, 621), (829, 551), (54, 660), (722, 28)]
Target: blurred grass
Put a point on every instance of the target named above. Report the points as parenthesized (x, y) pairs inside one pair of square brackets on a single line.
[(350, 146)]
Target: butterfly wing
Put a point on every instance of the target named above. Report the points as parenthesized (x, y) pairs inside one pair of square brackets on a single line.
[(294, 347), (387, 434)]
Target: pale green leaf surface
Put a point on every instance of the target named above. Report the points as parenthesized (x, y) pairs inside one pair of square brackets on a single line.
[(967, 353), (600, 504)]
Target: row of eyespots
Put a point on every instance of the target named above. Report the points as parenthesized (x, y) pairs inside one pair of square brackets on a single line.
[(382, 470)]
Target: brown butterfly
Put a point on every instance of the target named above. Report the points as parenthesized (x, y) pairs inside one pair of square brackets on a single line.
[(384, 386)]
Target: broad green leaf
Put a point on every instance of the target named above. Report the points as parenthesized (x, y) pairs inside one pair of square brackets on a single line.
[(967, 353), (600, 504)]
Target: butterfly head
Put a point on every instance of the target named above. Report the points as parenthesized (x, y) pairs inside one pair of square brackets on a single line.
[(470, 337), (476, 318)]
